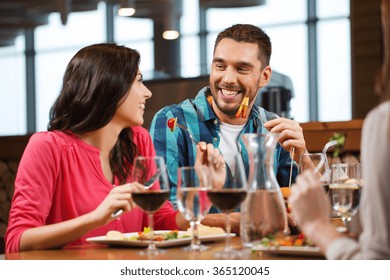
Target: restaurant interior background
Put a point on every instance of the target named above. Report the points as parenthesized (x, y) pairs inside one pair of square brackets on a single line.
[(330, 49)]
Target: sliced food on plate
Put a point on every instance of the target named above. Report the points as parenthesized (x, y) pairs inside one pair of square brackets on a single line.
[(206, 230), (288, 245), (289, 240), (146, 235)]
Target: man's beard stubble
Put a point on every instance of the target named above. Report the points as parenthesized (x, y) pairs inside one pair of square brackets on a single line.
[(231, 112)]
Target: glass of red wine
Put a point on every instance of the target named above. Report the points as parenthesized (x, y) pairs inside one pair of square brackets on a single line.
[(227, 195), (152, 173)]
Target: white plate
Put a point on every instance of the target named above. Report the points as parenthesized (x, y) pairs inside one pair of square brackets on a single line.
[(305, 251), (161, 244)]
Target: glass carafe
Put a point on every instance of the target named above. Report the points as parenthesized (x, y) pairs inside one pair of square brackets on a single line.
[(263, 213)]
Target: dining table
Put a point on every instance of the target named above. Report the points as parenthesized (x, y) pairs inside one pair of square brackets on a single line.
[(105, 252), (93, 251)]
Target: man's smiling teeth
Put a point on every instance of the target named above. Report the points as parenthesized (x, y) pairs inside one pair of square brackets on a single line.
[(229, 92), (142, 106)]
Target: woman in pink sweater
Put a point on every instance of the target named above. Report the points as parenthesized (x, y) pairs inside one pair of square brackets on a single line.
[(64, 190)]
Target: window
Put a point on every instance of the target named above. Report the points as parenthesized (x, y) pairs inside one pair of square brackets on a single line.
[(189, 40), (289, 57), (137, 33), (55, 45), (12, 89), (334, 61)]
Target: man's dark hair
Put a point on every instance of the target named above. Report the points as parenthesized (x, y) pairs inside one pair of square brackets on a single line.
[(249, 34)]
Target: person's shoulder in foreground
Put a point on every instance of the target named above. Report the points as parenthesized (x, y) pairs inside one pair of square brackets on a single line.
[(311, 205), (374, 241)]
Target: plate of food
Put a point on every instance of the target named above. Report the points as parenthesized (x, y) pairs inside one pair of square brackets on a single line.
[(297, 245), (162, 238)]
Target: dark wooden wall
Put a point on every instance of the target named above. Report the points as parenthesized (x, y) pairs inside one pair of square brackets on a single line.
[(367, 54), (167, 92), (11, 149)]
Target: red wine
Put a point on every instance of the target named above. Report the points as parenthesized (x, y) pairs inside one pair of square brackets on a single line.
[(150, 201), (226, 199)]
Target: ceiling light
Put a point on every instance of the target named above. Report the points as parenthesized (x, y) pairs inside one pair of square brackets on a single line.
[(170, 34), (171, 25), (126, 8)]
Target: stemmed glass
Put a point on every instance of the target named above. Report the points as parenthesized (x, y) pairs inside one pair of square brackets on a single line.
[(345, 189), (152, 173), (316, 163), (227, 194), (192, 200)]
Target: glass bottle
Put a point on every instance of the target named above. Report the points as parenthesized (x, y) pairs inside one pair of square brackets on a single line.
[(263, 213)]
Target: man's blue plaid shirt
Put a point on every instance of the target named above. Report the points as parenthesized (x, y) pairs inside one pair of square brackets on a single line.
[(197, 115)]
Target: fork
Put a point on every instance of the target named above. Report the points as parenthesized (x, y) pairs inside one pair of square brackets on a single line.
[(188, 131), (292, 151), (324, 151)]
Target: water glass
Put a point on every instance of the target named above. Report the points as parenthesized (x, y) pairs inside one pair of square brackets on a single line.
[(345, 189), (192, 200), (316, 163)]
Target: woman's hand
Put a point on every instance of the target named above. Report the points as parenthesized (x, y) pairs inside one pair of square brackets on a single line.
[(59, 234), (118, 198), (309, 201)]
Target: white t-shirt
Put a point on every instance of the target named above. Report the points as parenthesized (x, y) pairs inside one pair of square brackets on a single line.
[(228, 142)]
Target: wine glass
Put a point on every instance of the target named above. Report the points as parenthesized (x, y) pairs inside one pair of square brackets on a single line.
[(227, 194), (152, 173), (316, 163), (345, 189), (192, 200)]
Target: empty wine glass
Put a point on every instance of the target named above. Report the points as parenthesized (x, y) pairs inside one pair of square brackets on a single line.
[(345, 189), (192, 200), (152, 173), (227, 194), (316, 163)]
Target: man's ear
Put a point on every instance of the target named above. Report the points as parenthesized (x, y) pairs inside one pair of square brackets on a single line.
[(266, 74)]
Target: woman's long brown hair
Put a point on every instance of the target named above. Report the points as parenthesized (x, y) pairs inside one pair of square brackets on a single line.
[(382, 86), (96, 81)]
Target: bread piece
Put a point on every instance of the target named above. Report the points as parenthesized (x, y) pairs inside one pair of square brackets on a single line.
[(206, 230), (115, 235)]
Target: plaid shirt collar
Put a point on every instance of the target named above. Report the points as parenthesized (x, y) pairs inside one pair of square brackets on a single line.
[(206, 113)]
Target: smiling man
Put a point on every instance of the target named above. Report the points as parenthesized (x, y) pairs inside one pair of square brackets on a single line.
[(240, 67)]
